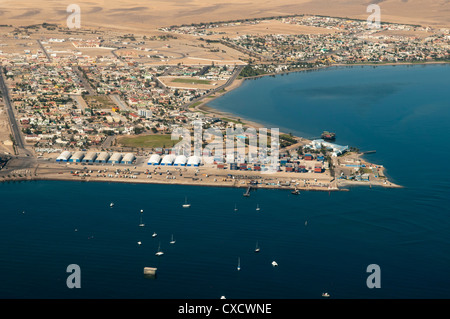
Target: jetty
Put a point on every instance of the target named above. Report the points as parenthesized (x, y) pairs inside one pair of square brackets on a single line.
[(247, 193)]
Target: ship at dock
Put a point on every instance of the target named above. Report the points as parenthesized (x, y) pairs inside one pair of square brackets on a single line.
[(328, 136)]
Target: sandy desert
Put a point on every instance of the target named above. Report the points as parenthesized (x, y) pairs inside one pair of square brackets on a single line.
[(144, 15)]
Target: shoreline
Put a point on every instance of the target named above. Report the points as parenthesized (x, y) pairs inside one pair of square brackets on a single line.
[(203, 107), (212, 112), (209, 111), (205, 175), (341, 186)]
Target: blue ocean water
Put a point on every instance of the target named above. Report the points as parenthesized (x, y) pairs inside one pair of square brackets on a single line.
[(402, 112)]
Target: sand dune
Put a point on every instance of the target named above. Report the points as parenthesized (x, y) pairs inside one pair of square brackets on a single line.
[(147, 15)]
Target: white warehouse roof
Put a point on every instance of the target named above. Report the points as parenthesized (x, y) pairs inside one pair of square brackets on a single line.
[(103, 156), (180, 160), (64, 156), (77, 156), (168, 159), (154, 159), (90, 156), (193, 161), (129, 157), (116, 157)]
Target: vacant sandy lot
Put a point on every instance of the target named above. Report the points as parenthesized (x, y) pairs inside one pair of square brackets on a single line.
[(5, 142), (190, 82), (144, 15), (185, 49)]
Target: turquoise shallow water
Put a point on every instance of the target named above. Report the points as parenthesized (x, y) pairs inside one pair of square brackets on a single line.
[(402, 112)]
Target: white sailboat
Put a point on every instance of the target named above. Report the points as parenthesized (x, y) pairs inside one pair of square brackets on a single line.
[(235, 208), (111, 205), (154, 234), (159, 252), (257, 248), (274, 263), (186, 205), (239, 264), (172, 241), (257, 207), (141, 224)]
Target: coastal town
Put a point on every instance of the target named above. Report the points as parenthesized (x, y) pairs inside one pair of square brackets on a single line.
[(95, 104)]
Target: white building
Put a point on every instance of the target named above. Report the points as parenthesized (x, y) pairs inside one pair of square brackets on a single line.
[(180, 160), (64, 156), (337, 149), (168, 160), (128, 158), (155, 159), (193, 161)]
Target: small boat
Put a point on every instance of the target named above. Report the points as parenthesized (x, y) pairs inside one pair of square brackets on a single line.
[(154, 235), (139, 243), (172, 241), (159, 252), (223, 297), (257, 248), (274, 263), (295, 192), (186, 205), (326, 295), (306, 223), (257, 207), (239, 264), (235, 208), (111, 205), (141, 224)]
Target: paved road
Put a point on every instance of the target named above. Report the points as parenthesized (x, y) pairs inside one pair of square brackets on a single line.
[(120, 103), (45, 51), (84, 81), (15, 131)]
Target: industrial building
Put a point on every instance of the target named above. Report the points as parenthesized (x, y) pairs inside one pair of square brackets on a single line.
[(168, 160), (193, 161), (155, 159), (180, 160), (115, 158), (64, 156), (337, 149), (102, 157), (77, 157), (128, 158), (90, 157)]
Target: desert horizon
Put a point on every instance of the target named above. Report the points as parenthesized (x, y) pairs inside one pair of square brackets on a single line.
[(139, 15)]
